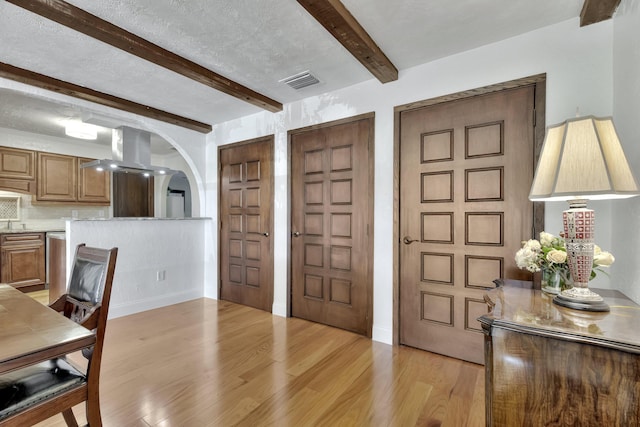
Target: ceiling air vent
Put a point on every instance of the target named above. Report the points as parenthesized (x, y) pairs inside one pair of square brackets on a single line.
[(301, 80)]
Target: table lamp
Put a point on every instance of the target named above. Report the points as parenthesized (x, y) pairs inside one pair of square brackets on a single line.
[(582, 159)]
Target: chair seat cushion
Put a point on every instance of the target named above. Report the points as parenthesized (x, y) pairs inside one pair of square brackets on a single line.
[(27, 386)]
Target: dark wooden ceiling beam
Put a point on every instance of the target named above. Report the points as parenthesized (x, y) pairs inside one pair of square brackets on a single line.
[(335, 17), (597, 10), (49, 83), (86, 23)]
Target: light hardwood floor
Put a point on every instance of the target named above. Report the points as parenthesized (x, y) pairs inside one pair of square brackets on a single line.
[(215, 363)]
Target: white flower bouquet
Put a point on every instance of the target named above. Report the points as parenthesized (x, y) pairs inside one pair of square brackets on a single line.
[(550, 253)]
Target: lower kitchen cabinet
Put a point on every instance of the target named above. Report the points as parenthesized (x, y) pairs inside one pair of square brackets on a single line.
[(22, 260)]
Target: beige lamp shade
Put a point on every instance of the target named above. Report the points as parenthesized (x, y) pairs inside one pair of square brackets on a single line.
[(582, 159)]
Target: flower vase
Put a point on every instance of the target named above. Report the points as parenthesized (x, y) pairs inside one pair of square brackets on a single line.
[(552, 281)]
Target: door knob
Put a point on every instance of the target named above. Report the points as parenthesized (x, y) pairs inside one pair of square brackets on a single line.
[(408, 240), (295, 234), (265, 234)]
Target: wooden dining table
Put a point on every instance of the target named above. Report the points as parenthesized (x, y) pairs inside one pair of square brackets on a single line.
[(31, 332)]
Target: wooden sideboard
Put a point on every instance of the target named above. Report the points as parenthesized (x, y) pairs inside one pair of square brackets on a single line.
[(547, 365)]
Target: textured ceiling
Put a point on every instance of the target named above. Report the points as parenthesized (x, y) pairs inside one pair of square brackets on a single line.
[(255, 43)]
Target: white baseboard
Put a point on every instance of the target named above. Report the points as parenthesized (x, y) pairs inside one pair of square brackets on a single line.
[(279, 310), (132, 307), (382, 335)]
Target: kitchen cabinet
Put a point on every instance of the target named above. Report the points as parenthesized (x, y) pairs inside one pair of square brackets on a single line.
[(17, 164), (17, 170), (57, 178), (61, 179), (22, 260), (94, 186), (551, 365)]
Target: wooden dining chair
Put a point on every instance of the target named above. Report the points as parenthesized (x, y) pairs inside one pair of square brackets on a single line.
[(30, 395)]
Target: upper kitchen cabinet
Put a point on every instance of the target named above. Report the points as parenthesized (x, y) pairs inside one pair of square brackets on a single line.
[(57, 178), (61, 179), (17, 170), (17, 164), (94, 185)]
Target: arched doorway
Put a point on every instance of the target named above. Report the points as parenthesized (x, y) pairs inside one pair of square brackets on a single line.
[(179, 197)]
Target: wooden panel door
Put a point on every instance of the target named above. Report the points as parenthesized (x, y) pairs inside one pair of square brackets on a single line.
[(466, 170), (331, 223), (246, 223)]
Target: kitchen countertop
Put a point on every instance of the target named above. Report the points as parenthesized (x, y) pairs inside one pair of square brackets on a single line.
[(142, 218), (30, 230)]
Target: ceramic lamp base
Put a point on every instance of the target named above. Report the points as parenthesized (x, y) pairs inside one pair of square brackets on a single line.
[(579, 228)]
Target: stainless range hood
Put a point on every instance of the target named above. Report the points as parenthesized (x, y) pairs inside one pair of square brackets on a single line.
[(131, 151)]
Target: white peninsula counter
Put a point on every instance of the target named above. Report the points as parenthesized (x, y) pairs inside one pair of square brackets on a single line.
[(160, 261)]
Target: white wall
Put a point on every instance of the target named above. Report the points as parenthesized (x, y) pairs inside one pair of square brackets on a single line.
[(626, 109), (578, 63), (146, 247)]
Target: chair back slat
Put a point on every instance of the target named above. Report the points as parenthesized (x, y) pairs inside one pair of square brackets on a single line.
[(78, 311)]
